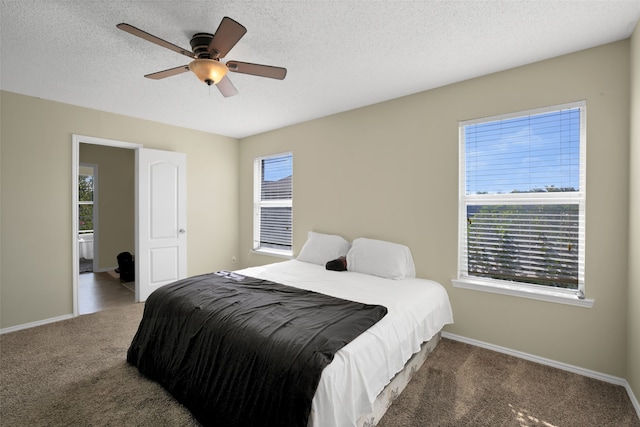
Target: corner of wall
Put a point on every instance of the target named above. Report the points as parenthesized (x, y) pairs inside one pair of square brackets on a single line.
[(633, 309)]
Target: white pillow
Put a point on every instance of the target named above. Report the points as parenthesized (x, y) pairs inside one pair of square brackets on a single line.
[(380, 258), (321, 248)]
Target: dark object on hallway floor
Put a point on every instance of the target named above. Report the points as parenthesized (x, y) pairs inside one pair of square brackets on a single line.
[(126, 267)]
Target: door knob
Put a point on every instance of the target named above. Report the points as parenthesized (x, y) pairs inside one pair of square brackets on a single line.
[(182, 231)]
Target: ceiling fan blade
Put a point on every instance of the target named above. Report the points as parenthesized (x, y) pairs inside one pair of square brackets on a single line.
[(153, 39), (229, 32), (257, 69), (168, 73), (226, 88)]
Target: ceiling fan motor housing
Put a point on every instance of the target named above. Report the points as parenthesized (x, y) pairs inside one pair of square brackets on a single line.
[(200, 45)]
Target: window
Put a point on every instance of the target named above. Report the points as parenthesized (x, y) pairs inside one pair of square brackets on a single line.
[(85, 204), (273, 201), (522, 203)]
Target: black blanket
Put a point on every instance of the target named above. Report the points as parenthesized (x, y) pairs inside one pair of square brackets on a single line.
[(240, 351)]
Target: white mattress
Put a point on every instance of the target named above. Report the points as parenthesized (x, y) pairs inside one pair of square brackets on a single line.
[(417, 310)]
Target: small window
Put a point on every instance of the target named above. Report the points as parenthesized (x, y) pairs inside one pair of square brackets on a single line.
[(273, 204), (522, 201), (85, 203)]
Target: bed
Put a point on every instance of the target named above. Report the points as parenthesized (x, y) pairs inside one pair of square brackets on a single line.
[(368, 370)]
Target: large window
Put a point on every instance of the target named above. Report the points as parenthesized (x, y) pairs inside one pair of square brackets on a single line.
[(273, 201), (522, 202)]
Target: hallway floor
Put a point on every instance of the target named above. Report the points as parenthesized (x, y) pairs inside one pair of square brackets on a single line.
[(99, 291)]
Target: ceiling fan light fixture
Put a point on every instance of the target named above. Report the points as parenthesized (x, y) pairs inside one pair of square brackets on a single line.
[(209, 71)]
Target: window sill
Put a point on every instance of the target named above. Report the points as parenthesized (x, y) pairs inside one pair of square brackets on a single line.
[(523, 291), (273, 252)]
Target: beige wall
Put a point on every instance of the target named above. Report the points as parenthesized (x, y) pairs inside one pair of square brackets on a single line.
[(36, 264), (114, 232), (387, 171), (633, 320), (390, 171)]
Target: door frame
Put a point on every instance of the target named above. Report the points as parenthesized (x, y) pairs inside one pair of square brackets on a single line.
[(76, 140)]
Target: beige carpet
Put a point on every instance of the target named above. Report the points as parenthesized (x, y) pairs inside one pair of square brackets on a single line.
[(464, 385), (74, 373)]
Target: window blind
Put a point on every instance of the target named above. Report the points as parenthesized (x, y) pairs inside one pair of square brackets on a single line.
[(522, 199), (275, 227), (524, 243), (276, 178), (274, 222), (534, 153)]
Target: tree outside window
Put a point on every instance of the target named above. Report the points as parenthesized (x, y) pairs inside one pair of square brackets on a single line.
[(85, 201)]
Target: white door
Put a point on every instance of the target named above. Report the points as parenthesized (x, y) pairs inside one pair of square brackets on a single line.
[(161, 194)]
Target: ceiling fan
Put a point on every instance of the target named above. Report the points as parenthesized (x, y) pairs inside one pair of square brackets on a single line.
[(207, 49)]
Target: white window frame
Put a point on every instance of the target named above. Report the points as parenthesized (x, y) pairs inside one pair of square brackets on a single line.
[(94, 176), (258, 204), (538, 292)]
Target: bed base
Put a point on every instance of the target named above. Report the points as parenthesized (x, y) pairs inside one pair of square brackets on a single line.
[(397, 384), (391, 392)]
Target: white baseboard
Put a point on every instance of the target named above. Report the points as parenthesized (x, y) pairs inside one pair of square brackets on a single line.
[(46, 321), (553, 363), (34, 324), (632, 396)]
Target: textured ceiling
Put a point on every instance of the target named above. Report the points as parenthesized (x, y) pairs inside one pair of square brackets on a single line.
[(340, 55)]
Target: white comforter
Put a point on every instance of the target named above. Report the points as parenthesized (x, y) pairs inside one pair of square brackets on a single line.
[(417, 310)]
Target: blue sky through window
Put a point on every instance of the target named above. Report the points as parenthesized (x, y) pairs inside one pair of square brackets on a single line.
[(523, 154), (276, 168)]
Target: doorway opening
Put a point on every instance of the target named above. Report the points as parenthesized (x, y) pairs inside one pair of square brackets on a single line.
[(96, 286), (157, 214)]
